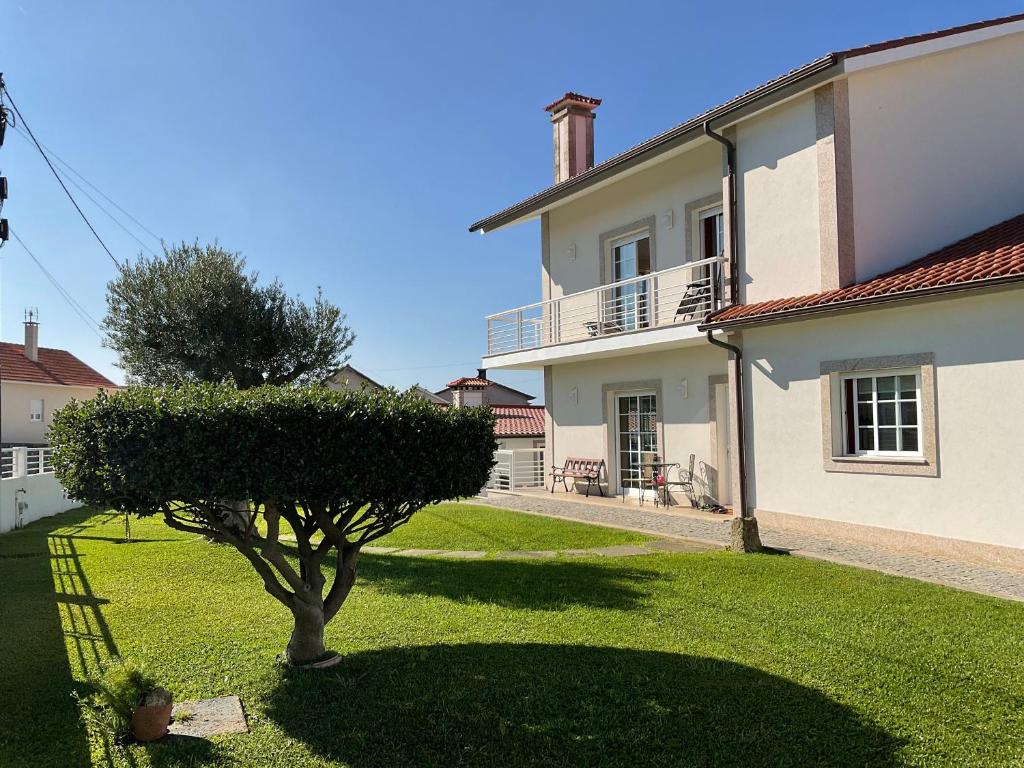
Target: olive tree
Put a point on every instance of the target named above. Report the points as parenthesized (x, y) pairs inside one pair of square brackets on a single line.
[(337, 469)]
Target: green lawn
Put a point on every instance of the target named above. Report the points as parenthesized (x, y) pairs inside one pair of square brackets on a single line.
[(664, 660)]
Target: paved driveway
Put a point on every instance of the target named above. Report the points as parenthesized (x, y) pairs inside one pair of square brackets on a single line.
[(951, 573)]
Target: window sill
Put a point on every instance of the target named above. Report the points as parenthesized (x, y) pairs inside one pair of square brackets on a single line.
[(918, 460)]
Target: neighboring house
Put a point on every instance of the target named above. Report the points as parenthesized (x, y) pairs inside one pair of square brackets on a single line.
[(348, 377), (519, 424), (36, 381), (493, 393), (854, 230)]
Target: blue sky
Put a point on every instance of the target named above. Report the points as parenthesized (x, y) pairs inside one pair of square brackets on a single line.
[(349, 145)]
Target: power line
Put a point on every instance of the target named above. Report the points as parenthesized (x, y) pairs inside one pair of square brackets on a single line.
[(67, 166), (60, 181), (82, 313), (95, 202)]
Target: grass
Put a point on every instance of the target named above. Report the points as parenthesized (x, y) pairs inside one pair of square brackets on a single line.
[(466, 526), (661, 660)]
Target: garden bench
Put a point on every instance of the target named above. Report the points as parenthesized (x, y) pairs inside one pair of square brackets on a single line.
[(578, 469)]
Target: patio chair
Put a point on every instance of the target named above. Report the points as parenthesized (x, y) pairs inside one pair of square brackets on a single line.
[(685, 481), (649, 476), (707, 501)]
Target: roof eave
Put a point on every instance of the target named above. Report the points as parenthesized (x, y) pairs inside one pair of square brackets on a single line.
[(808, 76), (867, 302)]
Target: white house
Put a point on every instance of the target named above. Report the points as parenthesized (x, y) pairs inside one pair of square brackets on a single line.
[(815, 288)]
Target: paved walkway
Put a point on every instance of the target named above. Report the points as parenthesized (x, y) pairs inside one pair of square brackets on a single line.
[(951, 573)]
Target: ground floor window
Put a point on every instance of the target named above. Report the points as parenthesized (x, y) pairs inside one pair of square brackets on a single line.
[(882, 413), (637, 434)]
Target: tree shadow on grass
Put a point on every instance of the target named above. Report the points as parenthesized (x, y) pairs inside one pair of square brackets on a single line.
[(554, 705), (534, 584)]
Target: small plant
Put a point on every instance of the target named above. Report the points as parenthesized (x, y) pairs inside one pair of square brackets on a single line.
[(183, 715), (119, 687)]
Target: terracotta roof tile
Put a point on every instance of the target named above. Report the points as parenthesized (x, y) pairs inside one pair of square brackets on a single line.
[(55, 366), (994, 255), (519, 420), (470, 381)]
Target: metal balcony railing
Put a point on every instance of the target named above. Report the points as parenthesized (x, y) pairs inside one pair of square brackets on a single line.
[(680, 295)]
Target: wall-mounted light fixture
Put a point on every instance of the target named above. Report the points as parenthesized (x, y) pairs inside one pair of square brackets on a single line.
[(574, 396), (571, 252), (669, 218), (684, 389)]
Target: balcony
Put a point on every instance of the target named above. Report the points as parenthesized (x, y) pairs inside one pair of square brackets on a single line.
[(651, 310)]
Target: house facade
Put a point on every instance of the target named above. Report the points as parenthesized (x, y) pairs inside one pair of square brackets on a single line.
[(815, 289), (37, 381)]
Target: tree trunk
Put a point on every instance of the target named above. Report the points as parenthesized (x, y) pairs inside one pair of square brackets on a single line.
[(307, 641)]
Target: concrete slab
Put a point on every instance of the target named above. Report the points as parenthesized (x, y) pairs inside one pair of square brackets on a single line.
[(380, 550), (465, 554), (678, 545), (622, 550), (419, 552), (541, 554), (208, 717)]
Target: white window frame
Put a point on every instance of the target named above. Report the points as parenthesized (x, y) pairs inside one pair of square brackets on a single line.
[(33, 414), (874, 376)]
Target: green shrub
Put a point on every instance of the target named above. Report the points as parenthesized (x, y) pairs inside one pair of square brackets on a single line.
[(213, 460)]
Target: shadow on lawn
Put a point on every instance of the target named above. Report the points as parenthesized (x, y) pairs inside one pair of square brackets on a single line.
[(535, 584), (553, 705)]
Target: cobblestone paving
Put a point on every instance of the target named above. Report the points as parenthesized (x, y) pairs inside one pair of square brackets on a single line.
[(951, 573)]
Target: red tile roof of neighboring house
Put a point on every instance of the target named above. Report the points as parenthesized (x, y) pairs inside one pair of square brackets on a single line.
[(55, 366), (519, 420), (990, 257), (799, 77), (470, 381)]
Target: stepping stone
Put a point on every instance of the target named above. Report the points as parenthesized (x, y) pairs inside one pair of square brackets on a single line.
[(578, 552), (209, 717), (419, 552), (540, 554), (465, 554), (621, 550), (380, 550), (675, 545)]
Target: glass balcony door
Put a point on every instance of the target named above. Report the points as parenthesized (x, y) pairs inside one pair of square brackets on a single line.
[(626, 308)]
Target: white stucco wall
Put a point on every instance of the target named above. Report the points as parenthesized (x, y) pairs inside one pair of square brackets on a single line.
[(777, 202), (979, 367), (937, 150), (579, 428), (669, 186), (43, 493), (15, 401)]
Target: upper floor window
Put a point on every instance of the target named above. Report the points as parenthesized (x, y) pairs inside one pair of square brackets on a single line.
[(882, 413), (712, 233), (35, 410)]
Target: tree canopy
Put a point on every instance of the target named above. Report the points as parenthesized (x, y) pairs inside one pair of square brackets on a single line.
[(338, 468), (195, 314)]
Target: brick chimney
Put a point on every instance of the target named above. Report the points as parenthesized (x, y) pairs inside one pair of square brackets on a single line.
[(573, 119), (32, 335)]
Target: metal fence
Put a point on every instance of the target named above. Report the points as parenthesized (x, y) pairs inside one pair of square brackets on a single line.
[(518, 468), (20, 461)]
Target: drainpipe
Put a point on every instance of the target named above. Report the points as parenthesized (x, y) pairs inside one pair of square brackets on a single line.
[(730, 161), (741, 459), (734, 298)]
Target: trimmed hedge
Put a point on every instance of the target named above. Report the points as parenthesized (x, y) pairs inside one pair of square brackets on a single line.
[(140, 447)]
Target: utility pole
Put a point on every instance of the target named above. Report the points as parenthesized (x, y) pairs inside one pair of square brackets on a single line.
[(5, 118)]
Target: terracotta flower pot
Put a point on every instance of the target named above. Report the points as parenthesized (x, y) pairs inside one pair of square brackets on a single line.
[(151, 718)]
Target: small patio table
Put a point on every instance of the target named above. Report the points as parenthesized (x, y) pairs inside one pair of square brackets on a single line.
[(658, 468)]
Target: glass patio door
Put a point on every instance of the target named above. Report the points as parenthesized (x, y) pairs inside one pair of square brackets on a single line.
[(627, 309), (637, 435)]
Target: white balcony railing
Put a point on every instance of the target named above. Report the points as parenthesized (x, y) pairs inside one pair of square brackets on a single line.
[(680, 295), (519, 468), (20, 461)]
